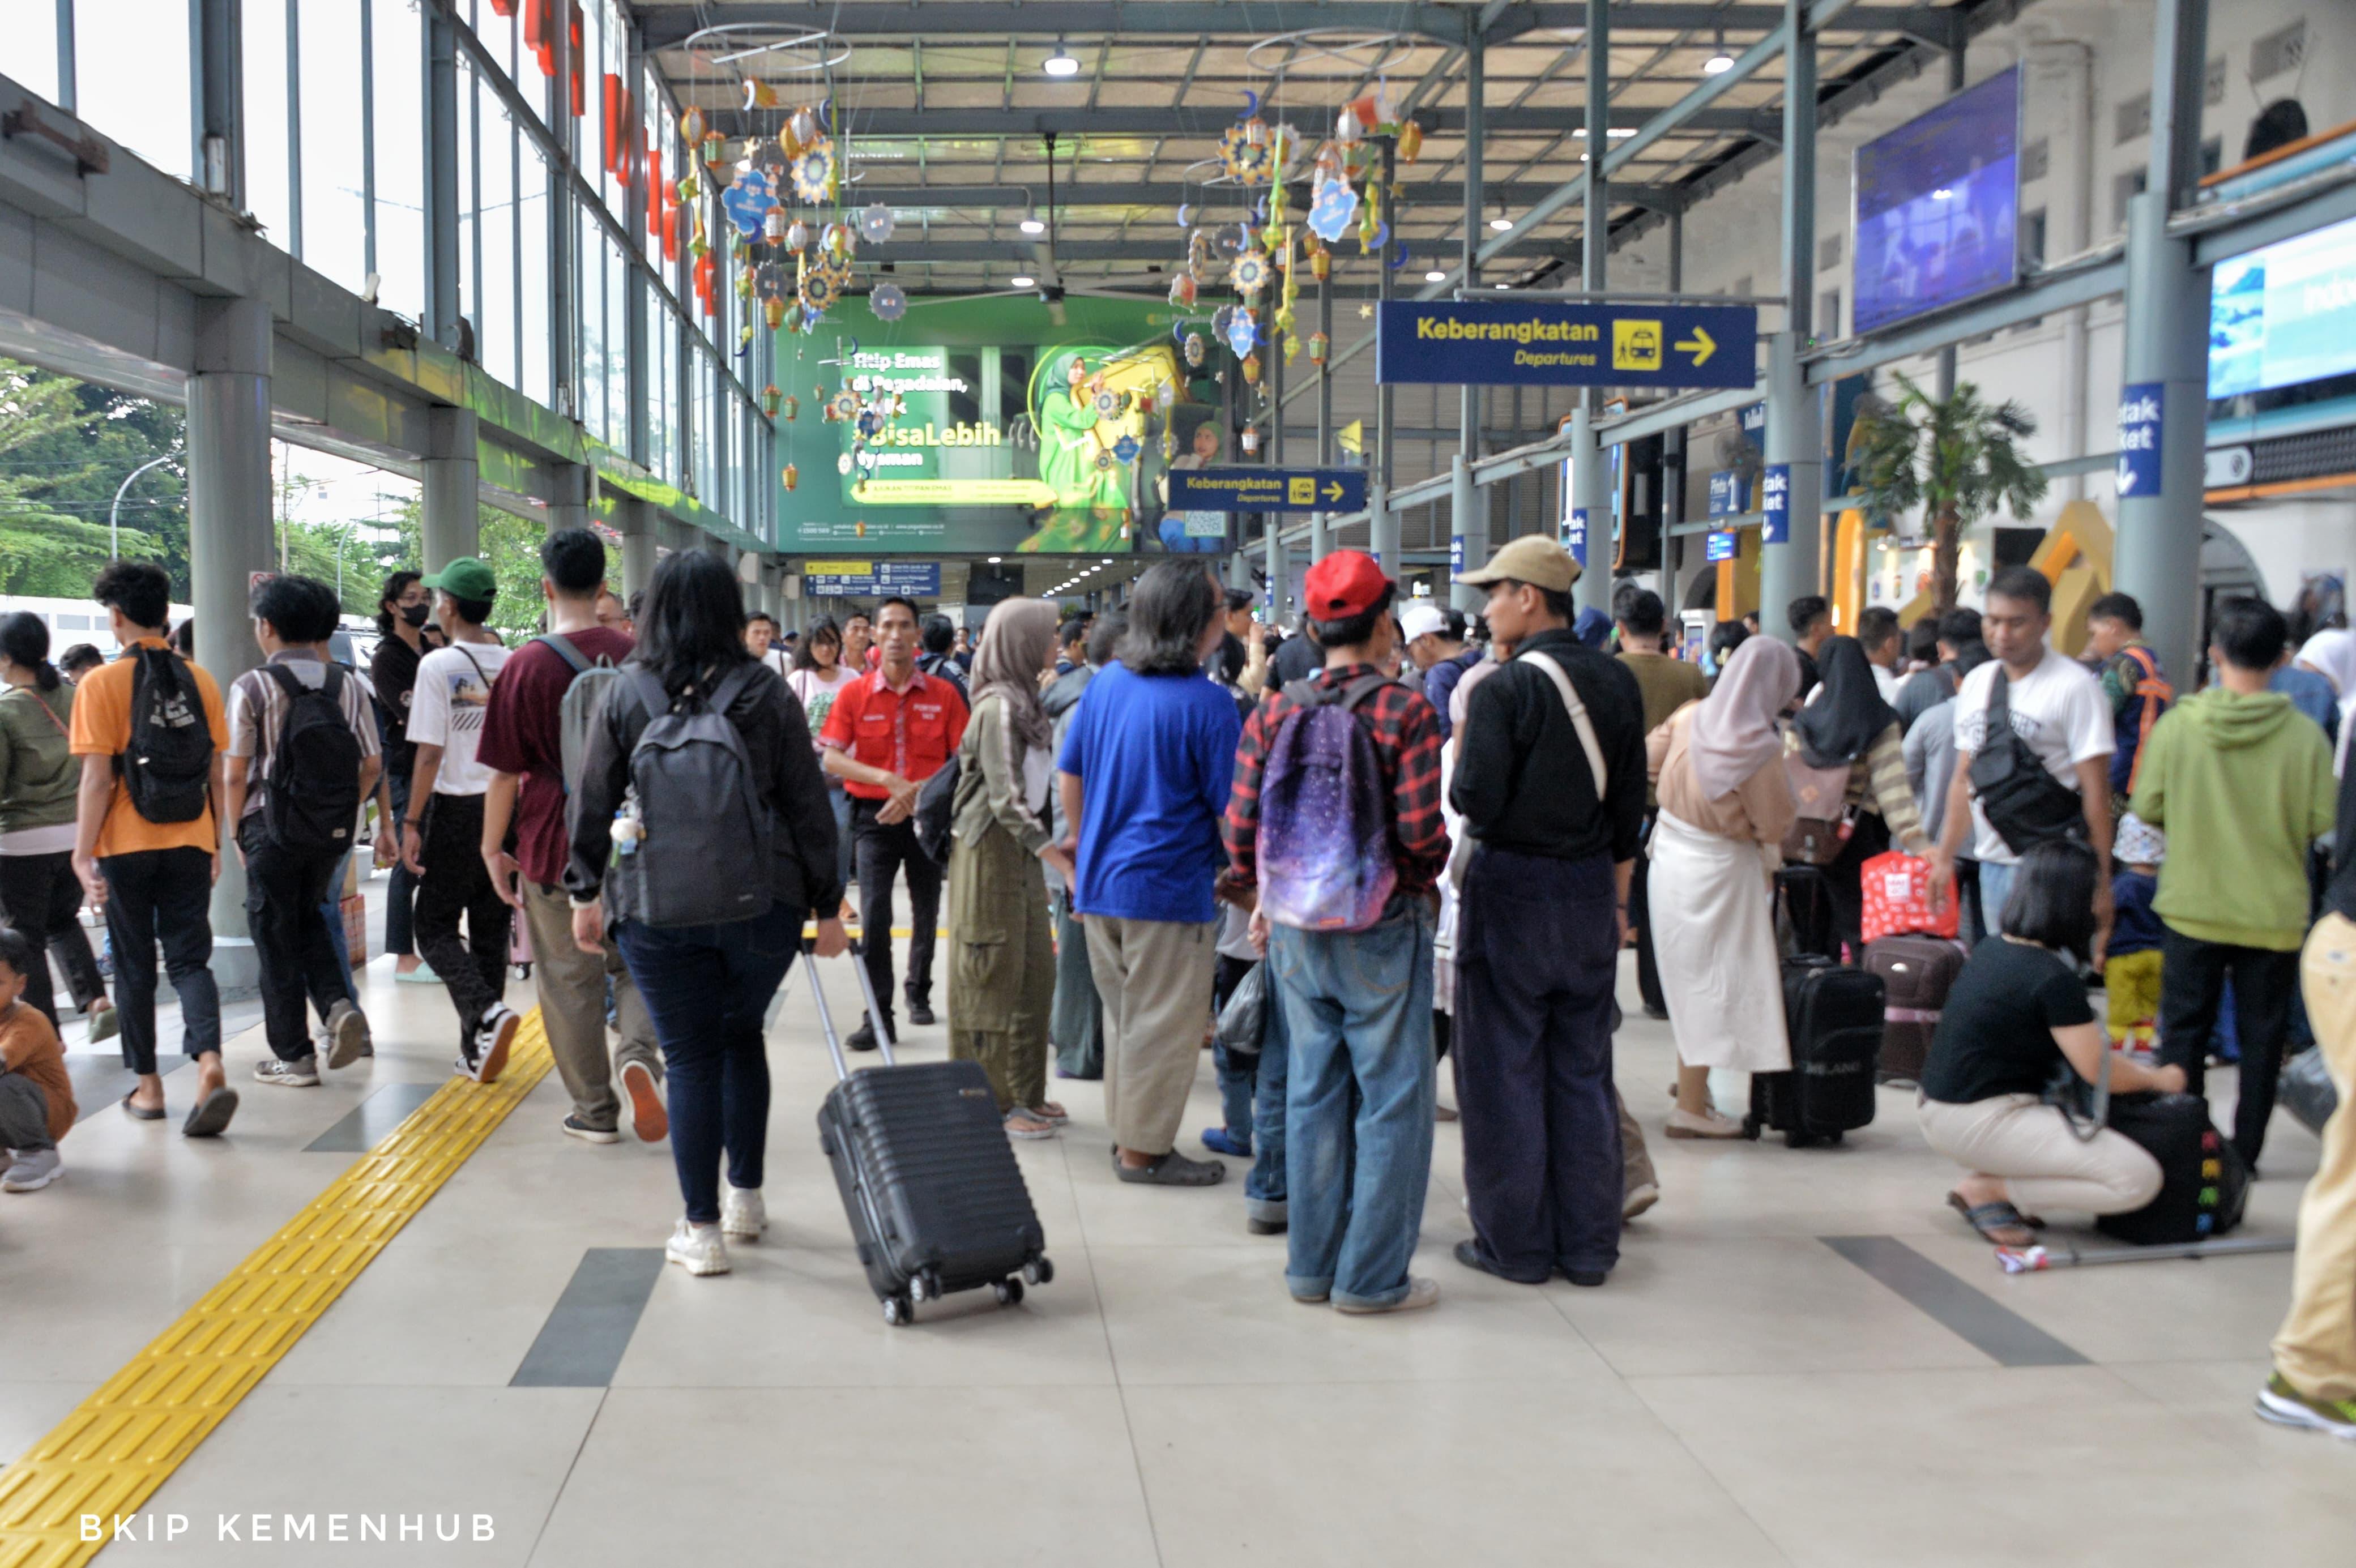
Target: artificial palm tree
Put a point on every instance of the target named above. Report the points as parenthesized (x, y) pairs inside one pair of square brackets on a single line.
[(1956, 458)]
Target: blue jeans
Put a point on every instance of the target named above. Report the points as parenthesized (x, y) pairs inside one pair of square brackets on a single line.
[(1996, 882), (332, 912), (1358, 1110), (400, 886), (840, 799), (1251, 1102), (707, 990)]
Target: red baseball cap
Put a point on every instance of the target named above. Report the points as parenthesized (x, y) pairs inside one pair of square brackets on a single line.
[(1346, 584)]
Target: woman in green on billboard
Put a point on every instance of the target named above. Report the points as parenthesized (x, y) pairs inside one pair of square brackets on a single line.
[(1091, 510)]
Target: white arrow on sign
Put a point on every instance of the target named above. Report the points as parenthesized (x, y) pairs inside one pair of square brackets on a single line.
[(2127, 479)]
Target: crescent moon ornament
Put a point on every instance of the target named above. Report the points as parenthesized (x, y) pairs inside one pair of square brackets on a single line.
[(1400, 259), (1185, 214), (1251, 105)]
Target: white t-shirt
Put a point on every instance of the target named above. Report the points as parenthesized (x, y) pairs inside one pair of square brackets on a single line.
[(2059, 709), (454, 688), (817, 693), (1886, 683)]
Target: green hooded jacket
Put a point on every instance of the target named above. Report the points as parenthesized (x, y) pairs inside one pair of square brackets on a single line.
[(2243, 786)]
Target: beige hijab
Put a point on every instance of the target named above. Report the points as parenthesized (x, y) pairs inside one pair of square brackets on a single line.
[(1733, 735), (1013, 649)]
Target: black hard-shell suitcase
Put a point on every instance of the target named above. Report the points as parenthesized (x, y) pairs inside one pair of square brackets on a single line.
[(2204, 1182), (1834, 1017), (936, 1200), (1917, 972)]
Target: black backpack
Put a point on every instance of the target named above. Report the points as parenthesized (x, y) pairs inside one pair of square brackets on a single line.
[(167, 765), (314, 767), (2024, 803)]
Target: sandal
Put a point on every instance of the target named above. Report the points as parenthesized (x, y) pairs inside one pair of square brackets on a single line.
[(140, 1111), (1998, 1222), (1019, 1124), (1048, 1111)]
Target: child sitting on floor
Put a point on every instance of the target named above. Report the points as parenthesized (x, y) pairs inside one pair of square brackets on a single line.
[(36, 1103), (2131, 967)]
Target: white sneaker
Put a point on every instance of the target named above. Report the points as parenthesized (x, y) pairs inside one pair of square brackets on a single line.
[(301, 1073), (492, 1039), (30, 1170), (698, 1248), (1638, 1199), (345, 1037), (743, 1215)]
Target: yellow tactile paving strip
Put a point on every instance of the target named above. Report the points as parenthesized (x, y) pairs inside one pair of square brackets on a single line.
[(120, 1445)]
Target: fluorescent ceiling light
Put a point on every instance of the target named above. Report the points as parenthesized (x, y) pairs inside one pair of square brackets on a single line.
[(1501, 223), (1033, 224), (1061, 63), (1435, 276), (994, 560), (1023, 280), (1720, 62)]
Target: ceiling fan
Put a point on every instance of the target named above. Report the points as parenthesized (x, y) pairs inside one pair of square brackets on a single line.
[(1047, 283)]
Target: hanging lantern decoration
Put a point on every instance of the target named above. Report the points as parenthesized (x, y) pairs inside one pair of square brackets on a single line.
[(803, 124), (792, 476), (888, 302), (798, 235), (715, 151), (1410, 142), (1182, 290), (772, 226), (1348, 127), (1251, 374), (691, 126), (1317, 341), (1251, 435), (875, 223), (773, 311), (1320, 263), (770, 398)]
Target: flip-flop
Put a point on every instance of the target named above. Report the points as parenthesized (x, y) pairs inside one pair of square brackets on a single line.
[(1989, 1218), (211, 1118), (140, 1112)]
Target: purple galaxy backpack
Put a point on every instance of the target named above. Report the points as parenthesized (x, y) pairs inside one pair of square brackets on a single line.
[(1324, 829)]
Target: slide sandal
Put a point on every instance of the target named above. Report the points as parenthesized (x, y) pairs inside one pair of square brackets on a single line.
[(211, 1118), (140, 1113), (1999, 1223)]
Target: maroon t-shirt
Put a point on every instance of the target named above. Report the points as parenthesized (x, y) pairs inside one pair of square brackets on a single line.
[(521, 736)]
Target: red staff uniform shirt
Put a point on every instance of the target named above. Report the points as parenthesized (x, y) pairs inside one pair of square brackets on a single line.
[(912, 731)]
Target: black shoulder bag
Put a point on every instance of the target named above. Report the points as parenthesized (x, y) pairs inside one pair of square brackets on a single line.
[(2024, 803)]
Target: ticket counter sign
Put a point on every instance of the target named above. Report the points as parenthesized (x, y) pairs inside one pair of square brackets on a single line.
[(1268, 489), (1535, 343)]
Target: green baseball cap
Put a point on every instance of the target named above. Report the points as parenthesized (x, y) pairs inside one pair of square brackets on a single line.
[(467, 578)]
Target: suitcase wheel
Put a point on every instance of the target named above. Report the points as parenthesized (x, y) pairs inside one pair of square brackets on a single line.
[(521, 971), (1796, 1138), (926, 1286), (1010, 1292), (1750, 1128), (1039, 1271), (899, 1311)]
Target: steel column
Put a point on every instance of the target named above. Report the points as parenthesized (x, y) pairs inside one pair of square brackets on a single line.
[(1945, 384), (1381, 520), (1468, 509), (442, 143), (1591, 481), (2167, 348), (1794, 427), (230, 531), (568, 496), (1673, 453), (1321, 534)]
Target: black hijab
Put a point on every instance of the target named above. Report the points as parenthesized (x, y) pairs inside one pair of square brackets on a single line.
[(1848, 714)]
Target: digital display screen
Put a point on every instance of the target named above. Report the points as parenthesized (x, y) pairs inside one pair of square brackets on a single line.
[(1938, 200), (2284, 314), (1719, 547)]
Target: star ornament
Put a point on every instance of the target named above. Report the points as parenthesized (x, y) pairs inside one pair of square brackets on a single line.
[(1366, 313)]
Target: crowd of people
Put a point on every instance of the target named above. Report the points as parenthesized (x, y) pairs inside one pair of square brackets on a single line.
[(1395, 839)]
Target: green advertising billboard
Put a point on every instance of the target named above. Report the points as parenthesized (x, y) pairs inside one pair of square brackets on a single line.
[(983, 426)]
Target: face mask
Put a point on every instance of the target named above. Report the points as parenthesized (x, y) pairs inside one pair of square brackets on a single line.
[(414, 614)]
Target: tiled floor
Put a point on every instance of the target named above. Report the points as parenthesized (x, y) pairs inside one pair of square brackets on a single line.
[(1740, 1393)]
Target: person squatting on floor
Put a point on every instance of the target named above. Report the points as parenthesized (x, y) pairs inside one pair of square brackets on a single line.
[(37, 1098), (1334, 820), (302, 754), (150, 731), (38, 779), (1001, 953), (1550, 783), (441, 839), (724, 777), (535, 730), (891, 730), (1144, 774)]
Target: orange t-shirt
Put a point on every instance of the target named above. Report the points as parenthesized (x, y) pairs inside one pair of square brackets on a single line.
[(102, 727), (29, 1046)]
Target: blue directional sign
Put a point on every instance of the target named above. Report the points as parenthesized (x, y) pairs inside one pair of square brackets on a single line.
[(1574, 534), (1535, 343), (2141, 406), (1268, 489), (1775, 505)]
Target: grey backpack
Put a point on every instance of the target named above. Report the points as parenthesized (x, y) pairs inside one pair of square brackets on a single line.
[(577, 711), (706, 844)]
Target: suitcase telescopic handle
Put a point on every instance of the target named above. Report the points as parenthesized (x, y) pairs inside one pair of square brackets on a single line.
[(826, 1018)]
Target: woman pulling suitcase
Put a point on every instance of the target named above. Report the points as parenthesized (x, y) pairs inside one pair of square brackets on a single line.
[(724, 778)]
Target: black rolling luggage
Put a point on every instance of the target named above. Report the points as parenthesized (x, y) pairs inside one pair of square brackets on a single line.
[(936, 1200), (1834, 1017), (2204, 1183)]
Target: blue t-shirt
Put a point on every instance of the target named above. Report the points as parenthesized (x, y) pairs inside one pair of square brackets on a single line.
[(2310, 694), (1155, 755)]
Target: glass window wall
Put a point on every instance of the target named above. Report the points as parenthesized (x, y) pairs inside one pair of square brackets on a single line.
[(397, 76), (131, 79)]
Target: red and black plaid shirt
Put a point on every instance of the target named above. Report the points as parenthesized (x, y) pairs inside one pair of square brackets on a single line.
[(1407, 746)]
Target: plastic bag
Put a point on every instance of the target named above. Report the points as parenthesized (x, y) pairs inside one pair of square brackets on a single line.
[(1245, 1014)]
